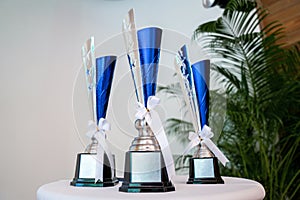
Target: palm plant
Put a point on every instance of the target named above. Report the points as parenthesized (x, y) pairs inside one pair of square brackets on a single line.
[(262, 130), (261, 134)]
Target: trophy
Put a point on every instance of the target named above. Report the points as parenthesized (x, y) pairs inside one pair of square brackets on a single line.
[(148, 163), (95, 167), (194, 81)]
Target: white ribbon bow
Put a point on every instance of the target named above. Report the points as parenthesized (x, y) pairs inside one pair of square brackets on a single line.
[(153, 120), (143, 112), (205, 134), (99, 133)]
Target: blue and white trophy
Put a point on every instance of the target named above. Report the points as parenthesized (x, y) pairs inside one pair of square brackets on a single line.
[(149, 163), (95, 167), (194, 81)]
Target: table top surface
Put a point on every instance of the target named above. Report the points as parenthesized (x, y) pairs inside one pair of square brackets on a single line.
[(233, 189)]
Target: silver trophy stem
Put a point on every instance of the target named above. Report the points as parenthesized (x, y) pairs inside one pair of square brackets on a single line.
[(92, 147), (203, 152), (146, 141)]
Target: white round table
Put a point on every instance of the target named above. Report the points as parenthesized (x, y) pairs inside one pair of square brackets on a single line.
[(233, 189)]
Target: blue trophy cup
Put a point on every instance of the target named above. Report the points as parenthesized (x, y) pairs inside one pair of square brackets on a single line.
[(203, 166), (99, 75), (145, 169)]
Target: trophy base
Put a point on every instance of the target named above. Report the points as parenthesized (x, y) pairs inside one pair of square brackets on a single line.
[(204, 171), (146, 187), (84, 182), (145, 171), (85, 172)]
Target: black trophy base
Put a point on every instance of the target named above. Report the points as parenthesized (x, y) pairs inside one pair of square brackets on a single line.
[(85, 172), (145, 172), (85, 182), (146, 187), (204, 171)]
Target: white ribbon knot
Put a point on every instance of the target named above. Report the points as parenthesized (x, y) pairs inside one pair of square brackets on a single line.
[(205, 134), (154, 122), (143, 112), (98, 131), (93, 129)]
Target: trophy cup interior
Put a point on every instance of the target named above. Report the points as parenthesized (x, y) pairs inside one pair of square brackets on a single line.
[(146, 141)]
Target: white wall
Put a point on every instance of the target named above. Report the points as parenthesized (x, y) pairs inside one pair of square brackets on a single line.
[(40, 45)]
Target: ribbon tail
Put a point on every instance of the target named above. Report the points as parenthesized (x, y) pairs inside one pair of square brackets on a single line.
[(158, 130), (216, 151), (103, 148), (99, 164)]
